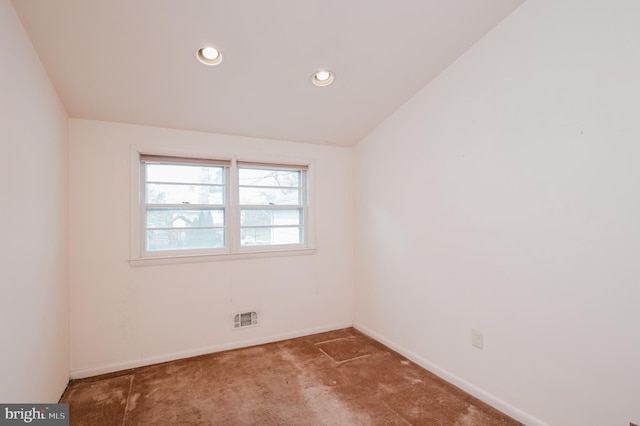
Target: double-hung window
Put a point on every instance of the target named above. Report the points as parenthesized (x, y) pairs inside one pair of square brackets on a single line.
[(185, 204), (193, 206), (272, 204)]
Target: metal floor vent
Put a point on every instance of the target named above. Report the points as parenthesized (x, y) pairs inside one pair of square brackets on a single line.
[(245, 319)]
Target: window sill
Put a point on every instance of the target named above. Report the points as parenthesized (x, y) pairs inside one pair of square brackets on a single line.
[(170, 260)]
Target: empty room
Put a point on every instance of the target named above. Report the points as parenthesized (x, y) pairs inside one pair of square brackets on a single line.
[(292, 212)]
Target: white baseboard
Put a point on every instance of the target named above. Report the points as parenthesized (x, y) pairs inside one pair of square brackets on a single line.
[(111, 368), (481, 394)]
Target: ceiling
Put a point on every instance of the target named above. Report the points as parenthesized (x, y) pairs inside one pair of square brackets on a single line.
[(133, 61)]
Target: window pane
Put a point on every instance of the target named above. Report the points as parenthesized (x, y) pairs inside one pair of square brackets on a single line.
[(184, 239), (264, 196), (269, 177), (182, 218), (180, 194), (270, 236), (180, 173), (265, 217)]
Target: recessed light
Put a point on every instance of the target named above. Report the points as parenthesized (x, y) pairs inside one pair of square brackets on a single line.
[(322, 78), (209, 55)]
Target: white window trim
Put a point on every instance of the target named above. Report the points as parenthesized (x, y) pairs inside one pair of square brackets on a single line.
[(233, 251)]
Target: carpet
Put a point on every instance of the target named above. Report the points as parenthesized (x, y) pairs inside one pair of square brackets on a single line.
[(337, 378)]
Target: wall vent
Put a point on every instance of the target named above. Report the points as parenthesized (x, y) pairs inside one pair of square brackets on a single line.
[(245, 319)]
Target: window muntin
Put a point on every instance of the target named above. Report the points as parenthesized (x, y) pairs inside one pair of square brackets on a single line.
[(192, 206), (272, 205)]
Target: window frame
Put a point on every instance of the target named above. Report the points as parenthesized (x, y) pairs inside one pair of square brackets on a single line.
[(233, 248), (302, 205), (143, 205)]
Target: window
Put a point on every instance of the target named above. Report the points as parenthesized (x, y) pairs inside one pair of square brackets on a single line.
[(192, 206), (272, 205), (184, 204)]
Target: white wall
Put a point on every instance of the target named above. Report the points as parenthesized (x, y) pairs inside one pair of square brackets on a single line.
[(123, 316), (34, 358), (505, 196)]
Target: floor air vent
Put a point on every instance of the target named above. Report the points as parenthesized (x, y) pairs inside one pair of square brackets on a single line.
[(245, 319)]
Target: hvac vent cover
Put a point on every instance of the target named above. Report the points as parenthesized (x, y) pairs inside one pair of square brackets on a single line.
[(245, 319)]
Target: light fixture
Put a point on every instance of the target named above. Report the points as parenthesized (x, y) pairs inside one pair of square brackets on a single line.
[(322, 78), (209, 55)]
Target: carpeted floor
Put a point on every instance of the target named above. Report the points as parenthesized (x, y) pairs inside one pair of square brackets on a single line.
[(336, 378)]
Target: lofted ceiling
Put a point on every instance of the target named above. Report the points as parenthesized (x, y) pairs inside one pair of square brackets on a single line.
[(133, 61)]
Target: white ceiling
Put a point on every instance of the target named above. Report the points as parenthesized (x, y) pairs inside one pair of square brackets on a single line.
[(132, 61)]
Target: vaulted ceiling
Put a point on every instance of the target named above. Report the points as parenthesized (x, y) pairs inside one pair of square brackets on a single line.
[(133, 61)]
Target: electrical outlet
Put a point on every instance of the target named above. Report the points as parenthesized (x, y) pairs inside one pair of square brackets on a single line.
[(477, 339)]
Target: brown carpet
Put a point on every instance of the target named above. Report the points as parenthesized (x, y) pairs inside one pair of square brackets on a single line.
[(336, 378)]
